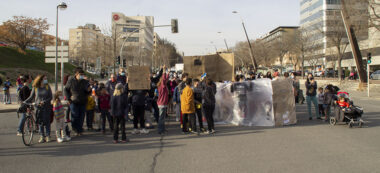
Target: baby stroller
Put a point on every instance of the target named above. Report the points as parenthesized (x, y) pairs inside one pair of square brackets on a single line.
[(345, 111)]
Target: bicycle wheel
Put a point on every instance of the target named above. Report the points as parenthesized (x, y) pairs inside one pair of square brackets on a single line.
[(28, 130)]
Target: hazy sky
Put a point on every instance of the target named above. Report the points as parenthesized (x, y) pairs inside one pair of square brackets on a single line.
[(199, 20)]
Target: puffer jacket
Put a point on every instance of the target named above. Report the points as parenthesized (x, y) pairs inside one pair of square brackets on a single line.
[(187, 101)]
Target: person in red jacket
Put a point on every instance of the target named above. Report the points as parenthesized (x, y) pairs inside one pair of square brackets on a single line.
[(104, 106), (342, 102), (162, 101)]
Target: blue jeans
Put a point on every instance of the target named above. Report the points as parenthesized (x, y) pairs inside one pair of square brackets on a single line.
[(20, 123), (161, 120), (309, 100), (178, 111), (77, 117)]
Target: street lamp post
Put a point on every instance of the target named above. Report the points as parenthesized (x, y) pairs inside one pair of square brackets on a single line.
[(225, 42), (61, 6), (249, 43)]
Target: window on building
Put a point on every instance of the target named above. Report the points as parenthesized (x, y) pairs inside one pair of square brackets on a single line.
[(332, 1), (133, 39), (133, 21), (125, 29)]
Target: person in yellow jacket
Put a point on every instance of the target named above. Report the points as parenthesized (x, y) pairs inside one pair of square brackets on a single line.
[(188, 108), (90, 111)]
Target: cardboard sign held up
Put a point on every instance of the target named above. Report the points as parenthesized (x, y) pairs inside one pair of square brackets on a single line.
[(138, 78)]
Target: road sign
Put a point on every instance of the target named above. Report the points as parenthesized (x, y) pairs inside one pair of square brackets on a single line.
[(52, 60), (52, 54), (52, 48)]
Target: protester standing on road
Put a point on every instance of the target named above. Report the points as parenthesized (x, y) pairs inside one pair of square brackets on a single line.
[(197, 89), (90, 111), (154, 79), (119, 103), (208, 103), (162, 101), (172, 83), (311, 95), (42, 95), (19, 82), (77, 90), (24, 93), (138, 107), (104, 100), (59, 115), (111, 84), (180, 88), (121, 77), (6, 88), (188, 108)]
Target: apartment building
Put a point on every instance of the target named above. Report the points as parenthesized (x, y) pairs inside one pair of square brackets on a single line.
[(137, 35), (87, 46)]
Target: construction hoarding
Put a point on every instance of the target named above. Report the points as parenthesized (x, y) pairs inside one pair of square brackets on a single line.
[(219, 67)]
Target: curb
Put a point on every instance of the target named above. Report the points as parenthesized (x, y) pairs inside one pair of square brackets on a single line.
[(7, 110)]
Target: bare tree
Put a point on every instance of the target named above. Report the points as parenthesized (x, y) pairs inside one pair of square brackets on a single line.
[(374, 15), (281, 47), (23, 31), (304, 45)]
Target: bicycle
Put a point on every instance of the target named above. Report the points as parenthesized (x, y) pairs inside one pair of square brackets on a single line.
[(30, 123)]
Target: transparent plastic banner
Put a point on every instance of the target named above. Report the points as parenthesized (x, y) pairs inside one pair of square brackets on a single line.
[(245, 103)]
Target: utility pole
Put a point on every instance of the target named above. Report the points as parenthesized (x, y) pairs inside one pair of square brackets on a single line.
[(354, 45)]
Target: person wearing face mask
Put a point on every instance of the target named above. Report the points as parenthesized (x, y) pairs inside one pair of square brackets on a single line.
[(121, 77), (311, 95), (111, 84), (77, 90), (42, 95)]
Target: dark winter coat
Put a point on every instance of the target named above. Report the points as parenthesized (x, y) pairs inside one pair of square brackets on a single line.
[(77, 90), (118, 105)]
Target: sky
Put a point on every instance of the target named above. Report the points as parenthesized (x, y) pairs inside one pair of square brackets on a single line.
[(199, 20)]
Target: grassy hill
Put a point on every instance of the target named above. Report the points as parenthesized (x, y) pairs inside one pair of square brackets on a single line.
[(13, 62)]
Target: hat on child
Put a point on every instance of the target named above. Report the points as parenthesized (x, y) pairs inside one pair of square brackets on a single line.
[(119, 86)]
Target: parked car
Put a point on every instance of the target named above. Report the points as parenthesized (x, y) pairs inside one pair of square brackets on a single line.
[(332, 73), (318, 73), (2, 44), (375, 75)]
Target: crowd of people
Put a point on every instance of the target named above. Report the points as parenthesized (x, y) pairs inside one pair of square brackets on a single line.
[(84, 99), (113, 102)]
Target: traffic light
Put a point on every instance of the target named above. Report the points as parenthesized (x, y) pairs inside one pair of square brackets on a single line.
[(174, 25), (118, 60), (369, 57), (124, 63)]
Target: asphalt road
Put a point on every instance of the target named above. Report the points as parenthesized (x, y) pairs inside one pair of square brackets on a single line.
[(309, 146)]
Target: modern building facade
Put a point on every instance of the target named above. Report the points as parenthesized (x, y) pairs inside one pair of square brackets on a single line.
[(321, 20), (138, 34), (88, 46)]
